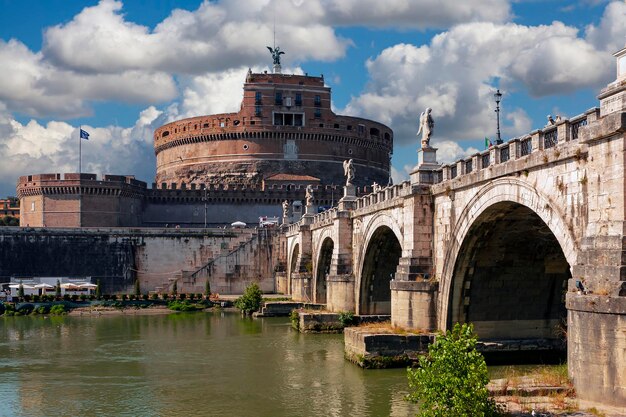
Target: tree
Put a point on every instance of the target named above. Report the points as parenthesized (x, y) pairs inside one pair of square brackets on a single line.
[(137, 288), (98, 290), (57, 289), (452, 379), (175, 288), (207, 288), (250, 300), (20, 290)]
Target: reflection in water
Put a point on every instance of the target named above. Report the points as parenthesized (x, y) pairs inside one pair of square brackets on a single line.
[(185, 364)]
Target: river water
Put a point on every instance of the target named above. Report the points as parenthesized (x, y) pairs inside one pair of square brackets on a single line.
[(198, 364)]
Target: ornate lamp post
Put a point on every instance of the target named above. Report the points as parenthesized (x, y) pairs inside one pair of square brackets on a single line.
[(498, 96)]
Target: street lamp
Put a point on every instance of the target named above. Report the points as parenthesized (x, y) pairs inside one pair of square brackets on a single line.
[(498, 96)]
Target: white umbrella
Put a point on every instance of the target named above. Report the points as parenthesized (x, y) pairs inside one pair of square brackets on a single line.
[(25, 286), (87, 285), (43, 285), (238, 224), (70, 286)]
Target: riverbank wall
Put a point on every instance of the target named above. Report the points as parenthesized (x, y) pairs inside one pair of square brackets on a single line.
[(157, 257)]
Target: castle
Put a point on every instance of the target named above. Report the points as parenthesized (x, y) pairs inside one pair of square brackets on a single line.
[(217, 169)]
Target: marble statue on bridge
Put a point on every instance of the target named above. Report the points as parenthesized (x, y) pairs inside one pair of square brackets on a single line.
[(348, 170), (309, 195), (426, 127)]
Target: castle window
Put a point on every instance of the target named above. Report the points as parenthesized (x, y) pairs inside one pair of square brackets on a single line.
[(349, 127), (288, 101), (288, 119), (257, 97), (257, 111), (336, 126), (195, 127), (222, 124), (298, 99), (361, 129), (206, 125), (32, 206), (374, 132), (318, 113), (318, 100), (279, 98), (166, 133), (387, 137)]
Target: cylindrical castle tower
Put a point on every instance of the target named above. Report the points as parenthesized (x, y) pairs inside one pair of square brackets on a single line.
[(285, 126)]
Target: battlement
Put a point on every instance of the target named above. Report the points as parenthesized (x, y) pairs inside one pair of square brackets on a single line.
[(74, 183)]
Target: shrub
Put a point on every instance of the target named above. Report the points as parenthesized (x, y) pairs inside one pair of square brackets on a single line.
[(192, 296), (165, 296), (145, 297), (251, 299), (41, 310), (346, 318), (124, 297), (74, 297), (58, 309), (57, 289), (98, 290), (183, 306), (207, 288), (452, 379), (294, 316), (182, 296), (83, 297), (36, 298), (155, 296)]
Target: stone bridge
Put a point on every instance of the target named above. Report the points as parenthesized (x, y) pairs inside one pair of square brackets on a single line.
[(524, 240)]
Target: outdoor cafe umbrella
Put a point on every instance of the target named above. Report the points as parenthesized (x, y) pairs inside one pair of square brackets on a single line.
[(44, 286), (87, 285), (70, 286), (25, 286)]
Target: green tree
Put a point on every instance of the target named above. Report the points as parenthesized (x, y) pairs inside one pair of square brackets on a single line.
[(137, 287), (251, 299), (175, 288), (98, 290), (452, 379), (20, 290), (57, 289), (207, 288)]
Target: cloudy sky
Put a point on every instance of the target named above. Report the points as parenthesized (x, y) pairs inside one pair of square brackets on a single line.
[(120, 69)]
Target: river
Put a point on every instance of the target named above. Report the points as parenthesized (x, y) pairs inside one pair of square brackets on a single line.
[(197, 364)]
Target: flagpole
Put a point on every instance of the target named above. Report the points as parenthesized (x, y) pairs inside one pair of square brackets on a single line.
[(80, 197)]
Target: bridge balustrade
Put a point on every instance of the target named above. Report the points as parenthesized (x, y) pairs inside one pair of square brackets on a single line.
[(550, 138), (485, 160), (504, 153)]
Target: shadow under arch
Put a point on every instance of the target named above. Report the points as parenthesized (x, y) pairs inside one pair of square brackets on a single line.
[(380, 262), (293, 262), (323, 268), (510, 276)]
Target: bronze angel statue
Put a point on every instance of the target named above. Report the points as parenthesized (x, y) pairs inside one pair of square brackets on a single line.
[(276, 53)]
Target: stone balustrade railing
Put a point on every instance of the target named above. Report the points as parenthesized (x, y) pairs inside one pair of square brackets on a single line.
[(550, 136)]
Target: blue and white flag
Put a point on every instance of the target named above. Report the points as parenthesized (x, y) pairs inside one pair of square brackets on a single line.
[(84, 134)]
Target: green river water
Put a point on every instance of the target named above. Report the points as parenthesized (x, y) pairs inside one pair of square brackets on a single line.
[(199, 364)]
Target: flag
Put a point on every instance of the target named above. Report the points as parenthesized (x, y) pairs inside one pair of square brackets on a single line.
[(84, 134), (488, 143)]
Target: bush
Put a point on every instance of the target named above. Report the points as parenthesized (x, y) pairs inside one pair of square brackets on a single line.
[(155, 296), (58, 309), (346, 318), (183, 306), (452, 379), (83, 297), (251, 299), (294, 317), (41, 310), (182, 296), (145, 297), (124, 297), (165, 296), (192, 296)]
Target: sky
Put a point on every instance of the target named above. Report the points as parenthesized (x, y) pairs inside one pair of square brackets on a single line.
[(120, 69)]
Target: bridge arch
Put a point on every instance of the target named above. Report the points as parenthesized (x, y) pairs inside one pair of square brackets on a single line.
[(508, 261), (322, 269), (378, 260)]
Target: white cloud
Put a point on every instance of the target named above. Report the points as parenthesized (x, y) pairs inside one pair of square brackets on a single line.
[(35, 148), (456, 72)]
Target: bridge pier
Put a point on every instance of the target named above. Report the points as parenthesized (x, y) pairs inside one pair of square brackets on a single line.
[(596, 347), (341, 290), (414, 304)]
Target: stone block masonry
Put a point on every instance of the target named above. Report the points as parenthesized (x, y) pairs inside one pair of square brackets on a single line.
[(157, 257)]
